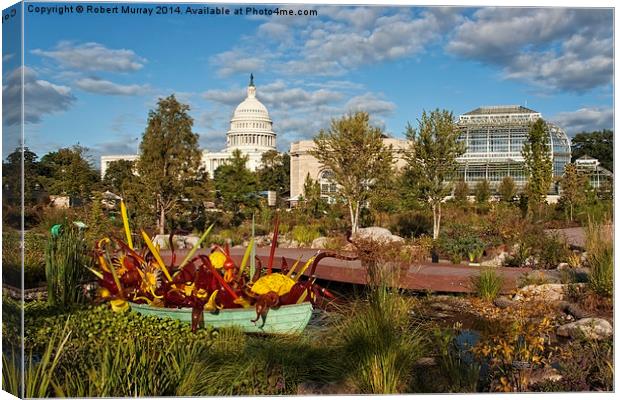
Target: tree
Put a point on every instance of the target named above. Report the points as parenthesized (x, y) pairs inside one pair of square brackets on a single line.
[(461, 191), (507, 189), (170, 160), (235, 184), (12, 177), (434, 148), (537, 165), (312, 202), (574, 186), (482, 192), (274, 173), (69, 172), (597, 144), (354, 151), (119, 176)]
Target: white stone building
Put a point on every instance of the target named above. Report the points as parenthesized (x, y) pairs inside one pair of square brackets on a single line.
[(251, 132)]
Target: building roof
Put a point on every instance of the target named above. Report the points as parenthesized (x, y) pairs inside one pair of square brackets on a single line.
[(514, 109)]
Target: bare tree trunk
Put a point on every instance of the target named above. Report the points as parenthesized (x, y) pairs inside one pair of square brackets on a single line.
[(436, 220), (352, 215), (357, 216)]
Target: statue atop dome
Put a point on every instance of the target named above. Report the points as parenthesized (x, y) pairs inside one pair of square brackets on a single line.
[(251, 79)]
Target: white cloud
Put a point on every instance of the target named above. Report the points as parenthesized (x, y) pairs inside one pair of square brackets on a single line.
[(558, 48), (585, 119), (101, 86), (40, 97), (370, 103), (236, 62), (93, 57), (7, 57)]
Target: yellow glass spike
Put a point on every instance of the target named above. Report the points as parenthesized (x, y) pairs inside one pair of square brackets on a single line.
[(126, 224), (155, 253)]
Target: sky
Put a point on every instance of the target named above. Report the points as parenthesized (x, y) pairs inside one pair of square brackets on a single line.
[(93, 78)]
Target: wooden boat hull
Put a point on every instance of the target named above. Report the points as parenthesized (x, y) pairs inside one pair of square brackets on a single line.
[(287, 319)]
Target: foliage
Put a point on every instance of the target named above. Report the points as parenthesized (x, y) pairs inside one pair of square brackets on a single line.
[(574, 185), (312, 203), (354, 152), (413, 224), (482, 192), (550, 250), (66, 255), (68, 172), (304, 234), (537, 165), (12, 178), (507, 189), (487, 284), (34, 261), (236, 186), (120, 176), (170, 161), (461, 191), (459, 246), (378, 343), (600, 250), (597, 144), (457, 368), (274, 174), (432, 157)]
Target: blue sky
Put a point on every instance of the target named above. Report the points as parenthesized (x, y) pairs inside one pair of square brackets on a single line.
[(92, 79)]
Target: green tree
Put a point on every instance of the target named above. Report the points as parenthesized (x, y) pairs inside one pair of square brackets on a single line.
[(597, 144), (354, 151), (274, 173), (12, 178), (461, 191), (119, 176), (482, 192), (235, 185), (170, 160), (537, 165), (434, 148), (311, 202), (69, 172), (507, 189), (574, 186)]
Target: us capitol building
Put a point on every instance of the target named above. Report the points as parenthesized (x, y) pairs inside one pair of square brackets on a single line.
[(251, 132)]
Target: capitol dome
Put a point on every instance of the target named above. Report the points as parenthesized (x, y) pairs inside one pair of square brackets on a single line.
[(250, 126)]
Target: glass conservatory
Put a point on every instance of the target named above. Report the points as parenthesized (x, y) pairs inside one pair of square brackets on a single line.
[(494, 138)]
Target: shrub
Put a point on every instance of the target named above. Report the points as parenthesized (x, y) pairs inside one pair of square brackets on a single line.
[(482, 192), (66, 255), (413, 224), (305, 234), (462, 246), (34, 259), (599, 245), (487, 284), (461, 191), (507, 189), (457, 368), (550, 250)]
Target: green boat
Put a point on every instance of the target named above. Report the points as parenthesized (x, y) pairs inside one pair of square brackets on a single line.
[(288, 319)]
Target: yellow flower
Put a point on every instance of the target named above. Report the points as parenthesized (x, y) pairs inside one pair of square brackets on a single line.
[(217, 259), (281, 284)]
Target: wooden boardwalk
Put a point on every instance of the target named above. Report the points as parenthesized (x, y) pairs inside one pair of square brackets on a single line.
[(442, 277)]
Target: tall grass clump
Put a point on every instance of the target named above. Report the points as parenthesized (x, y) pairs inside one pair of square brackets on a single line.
[(305, 234), (379, 343), (487, 284), (66, 255), (600, 249)]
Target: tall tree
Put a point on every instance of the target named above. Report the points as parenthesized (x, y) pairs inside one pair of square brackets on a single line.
[(574, 186), (434, 148), (170, 161), (235, 185), (69, 172), (354, 151), (597, 144), (274, 173), (538, 167), (12, 177), (311, 202), (507, 189)]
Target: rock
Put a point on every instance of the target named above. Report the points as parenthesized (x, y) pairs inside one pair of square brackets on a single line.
[(319, 243), (503, 302), (442, 307), (163, 242), (496, 261), (588, 328), (191, 241), (572, 309), (377, 234), (563, 266), (545, 374), (425, 362), (547, 292)]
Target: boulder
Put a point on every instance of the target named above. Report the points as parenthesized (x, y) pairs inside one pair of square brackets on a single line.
[(545, 374), (163, 243), (563, 266), (588, 328), (547, 292), (377, 234), (191, 241), (319, 243), (496, 261), (503, 302)]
